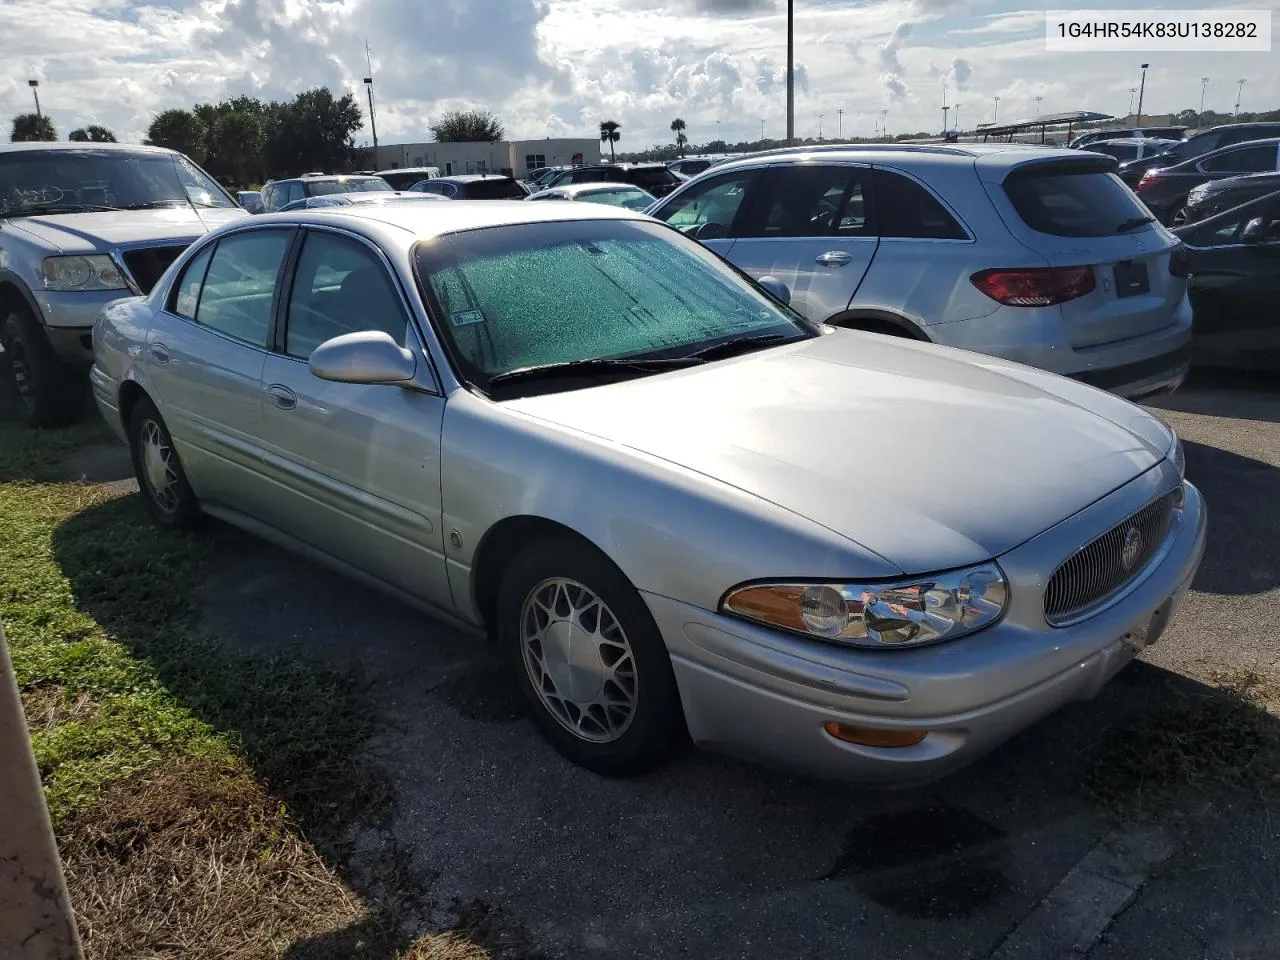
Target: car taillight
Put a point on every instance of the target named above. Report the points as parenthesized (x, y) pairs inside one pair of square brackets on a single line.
[(1034, 286), (1148, 178), (1179, 263)]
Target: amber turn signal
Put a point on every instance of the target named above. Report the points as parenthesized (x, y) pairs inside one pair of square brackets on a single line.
[(870, 737)]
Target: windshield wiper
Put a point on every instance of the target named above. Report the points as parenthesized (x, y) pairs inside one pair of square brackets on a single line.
[(730, 348), (37, 210), (155, 204), (591, 366), (1134, 223)]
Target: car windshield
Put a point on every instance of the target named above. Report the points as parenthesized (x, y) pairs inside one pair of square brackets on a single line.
[(633, 198), (320, 188), (502, 188), (63, 180), (512, 297)]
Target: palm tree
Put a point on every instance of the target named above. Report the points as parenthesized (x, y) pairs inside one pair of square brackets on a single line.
[(32, 126), (609, 134), (677, 127)]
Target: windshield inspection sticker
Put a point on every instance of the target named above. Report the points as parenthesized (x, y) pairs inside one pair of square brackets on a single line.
[(464, 318)]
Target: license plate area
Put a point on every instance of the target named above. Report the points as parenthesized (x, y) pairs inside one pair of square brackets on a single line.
[(1131, 278)]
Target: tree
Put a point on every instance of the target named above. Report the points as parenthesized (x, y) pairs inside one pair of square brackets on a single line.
[(92, 134), (180, 130), (678, 128), (468, 126), (29, 127), (609, 134), (236, 145), (312, 132)]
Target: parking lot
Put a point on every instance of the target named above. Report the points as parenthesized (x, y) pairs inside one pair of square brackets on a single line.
[(1138, 824)]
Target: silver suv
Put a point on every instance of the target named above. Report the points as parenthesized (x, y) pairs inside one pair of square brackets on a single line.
[(1036, 255), (82, 225)]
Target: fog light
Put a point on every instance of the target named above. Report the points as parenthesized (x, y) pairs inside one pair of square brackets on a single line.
[(871, 737)]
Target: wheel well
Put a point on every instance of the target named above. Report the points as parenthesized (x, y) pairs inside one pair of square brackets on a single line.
[(12, 299), (130, 394), (878, 323), (500, 545)]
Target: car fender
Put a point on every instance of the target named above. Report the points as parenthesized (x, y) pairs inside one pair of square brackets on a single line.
[(13, 285)]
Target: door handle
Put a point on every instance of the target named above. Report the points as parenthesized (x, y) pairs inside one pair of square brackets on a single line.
[(833, 258), (282, 396), (159, 353)]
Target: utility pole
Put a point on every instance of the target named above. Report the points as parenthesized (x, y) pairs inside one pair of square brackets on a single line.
[(995, 113), (762, 131), (820, 116), (1142, 89), (368, 83), (35, 92), (1204, 83), (791, 72), (957, 106), (1039, 100), (840, 123), (884, 124), (945, 108), (1132, 92), (1239, 89)]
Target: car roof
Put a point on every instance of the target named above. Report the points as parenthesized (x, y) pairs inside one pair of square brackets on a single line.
[(433, 220), (1244, 180), (991, 154), (471, 177), (313, 177), (601, 187), (81, 145), (1135, 141)]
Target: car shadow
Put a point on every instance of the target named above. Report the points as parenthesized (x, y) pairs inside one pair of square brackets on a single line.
[(1236, 394), (705, 857)]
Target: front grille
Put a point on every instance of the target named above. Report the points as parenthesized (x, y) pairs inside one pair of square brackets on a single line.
[(147, 264), (1103, 567)]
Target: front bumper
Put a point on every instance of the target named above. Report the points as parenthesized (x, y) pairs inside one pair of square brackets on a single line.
[(68, 321), (763, 695)]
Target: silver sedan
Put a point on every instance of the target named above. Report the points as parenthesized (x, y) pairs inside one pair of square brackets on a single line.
[(680, 508)]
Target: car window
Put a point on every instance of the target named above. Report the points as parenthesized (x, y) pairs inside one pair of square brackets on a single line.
[(186, 292), (1123, 152), (1243, 134), (587, 289), (1197, 146), (1244, 160), (651, 176), (906, 209), (494, 189), (1226, 228), (240, 283), (808, 200), (1065, 201), (632, 198), (320, 188), (293, 190), (707, 210), (340, 287)]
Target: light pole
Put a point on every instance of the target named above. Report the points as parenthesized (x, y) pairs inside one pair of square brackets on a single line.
[(762, 131), (1239, 89), (820, 116), (957, 119), (1132, 91), (840, 123), (718, 140), (884, 124), (1204, 83), (995, 113), (368, 85), (1142, 89), (1038, 102), (35, 92), (791, 72), (944, 121)]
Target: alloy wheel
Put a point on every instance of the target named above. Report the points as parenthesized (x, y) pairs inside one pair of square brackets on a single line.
[(158, 466)]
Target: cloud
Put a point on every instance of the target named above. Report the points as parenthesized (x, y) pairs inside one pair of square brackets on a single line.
[(889, 52), (961, 71), (893, 84), (730, 8)]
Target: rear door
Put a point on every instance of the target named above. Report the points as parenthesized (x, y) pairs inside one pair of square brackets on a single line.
[(1075, 212), (810, 226), (711, 210)]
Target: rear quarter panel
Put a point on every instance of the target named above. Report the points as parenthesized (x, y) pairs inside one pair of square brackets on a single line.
[(119, 335)]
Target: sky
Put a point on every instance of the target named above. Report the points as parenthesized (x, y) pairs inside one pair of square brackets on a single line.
[(559, 67)]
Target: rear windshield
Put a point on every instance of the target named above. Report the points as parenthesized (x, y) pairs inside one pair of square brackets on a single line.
[(1067, 202), (495, 189), (404, 179), (651, 176), (324, 188)]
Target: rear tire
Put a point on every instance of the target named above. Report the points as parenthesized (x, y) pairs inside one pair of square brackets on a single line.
[(49, 393), (589, 659), (877, 326), (161, 480)]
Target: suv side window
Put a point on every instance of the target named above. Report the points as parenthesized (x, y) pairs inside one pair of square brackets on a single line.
[(1228, 230), (1243, 134), (907, 209), (807, 200), (1244, 160), (708, 210), (340, 287), (270, 198), (240, 284), (186, 292), (293, 190)]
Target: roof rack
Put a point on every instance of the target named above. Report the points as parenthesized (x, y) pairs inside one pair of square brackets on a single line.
[(940, 149)]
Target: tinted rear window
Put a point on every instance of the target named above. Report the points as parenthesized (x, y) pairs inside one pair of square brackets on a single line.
[(1072, 202), (651, 176), (493, 190)]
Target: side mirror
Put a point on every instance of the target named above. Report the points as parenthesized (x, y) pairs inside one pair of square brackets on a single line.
[(369, 356), (775, 287)]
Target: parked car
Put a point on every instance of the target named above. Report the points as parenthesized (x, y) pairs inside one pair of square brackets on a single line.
[(277, 193), (473, 186), (1215, 138), (1132, 148), (1234, 258), (81, 225), (250, 200), (1164, 190), (654, 177), (1096, 136), (355, 199), (402, 178), (1217, 196), (537, 178), (690, 166), (617, 194), (569, 426), (1034, 254)]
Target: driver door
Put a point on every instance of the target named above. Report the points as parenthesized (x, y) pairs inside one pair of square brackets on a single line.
[(356, 467), (711, 210)]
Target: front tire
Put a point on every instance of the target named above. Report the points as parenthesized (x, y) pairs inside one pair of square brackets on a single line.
[(49, 393), (589, 659), (161, 480)]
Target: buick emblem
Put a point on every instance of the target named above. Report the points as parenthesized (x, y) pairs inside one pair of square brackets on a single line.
[(1140, 244), (1132, 548)]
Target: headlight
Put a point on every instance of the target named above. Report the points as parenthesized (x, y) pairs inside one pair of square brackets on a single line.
[(1198, 194), (96, 272), (1178, 457), (883, 615)]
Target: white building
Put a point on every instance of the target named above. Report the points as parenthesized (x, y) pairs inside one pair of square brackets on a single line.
[(515, 157)]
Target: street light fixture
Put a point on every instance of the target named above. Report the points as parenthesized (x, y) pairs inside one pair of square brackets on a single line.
[(1204, 83), (1239, 89), (1142, 89), (35, 92)]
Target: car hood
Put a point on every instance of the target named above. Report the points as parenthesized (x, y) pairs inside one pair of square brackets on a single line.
[(932, 458), (90, 232)]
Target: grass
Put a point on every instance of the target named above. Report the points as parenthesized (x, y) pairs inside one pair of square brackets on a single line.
[(1222, 733), (205, 803)]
